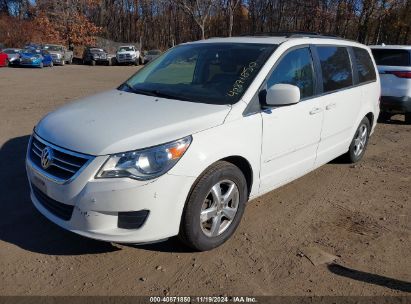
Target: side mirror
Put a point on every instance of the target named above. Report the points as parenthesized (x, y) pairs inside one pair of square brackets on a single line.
[(282, 95)]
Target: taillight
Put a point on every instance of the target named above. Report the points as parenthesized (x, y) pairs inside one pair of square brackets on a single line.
[(400, 74)]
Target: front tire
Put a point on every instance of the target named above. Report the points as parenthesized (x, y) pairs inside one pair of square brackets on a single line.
[(359, 143), (92, 62), (214, 207), (407, 118)]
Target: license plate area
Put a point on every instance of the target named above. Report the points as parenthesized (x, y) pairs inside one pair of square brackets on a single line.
[(39, 183)]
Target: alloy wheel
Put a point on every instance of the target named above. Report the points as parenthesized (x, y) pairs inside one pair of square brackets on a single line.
[(360, 140), (219, 208)]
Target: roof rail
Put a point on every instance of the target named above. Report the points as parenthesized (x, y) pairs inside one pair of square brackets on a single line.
[(297, 34)]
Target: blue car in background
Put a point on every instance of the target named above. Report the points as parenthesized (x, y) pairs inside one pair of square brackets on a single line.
[(35, 58)]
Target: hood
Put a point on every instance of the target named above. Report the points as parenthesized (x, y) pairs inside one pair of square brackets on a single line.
[(125, 52), (116, 121)]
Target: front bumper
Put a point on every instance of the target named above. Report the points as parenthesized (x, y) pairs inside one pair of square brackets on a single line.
[(58, 61), (30, 64), (105, 60), (96, 203), (392, 104), (126, 60)]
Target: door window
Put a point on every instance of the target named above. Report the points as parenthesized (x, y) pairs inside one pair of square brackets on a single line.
[(295, 68), (336, 68), (365, 67)]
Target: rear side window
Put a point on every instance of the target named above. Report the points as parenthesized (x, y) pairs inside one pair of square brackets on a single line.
[(365, 67), (295, 68), (391, 57), (336, 67)]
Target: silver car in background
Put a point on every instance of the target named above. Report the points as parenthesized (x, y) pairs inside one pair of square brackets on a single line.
[(59, 53), (12, 54), (151, 55)]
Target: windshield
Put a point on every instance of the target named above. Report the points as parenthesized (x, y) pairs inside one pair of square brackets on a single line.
[(10, 51), (125, 49), (391, 57), (154, 52), (213, 73), (96, 50), (53, 48)]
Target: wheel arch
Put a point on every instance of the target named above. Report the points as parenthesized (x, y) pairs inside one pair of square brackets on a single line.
[(244, 166), (370, 117)]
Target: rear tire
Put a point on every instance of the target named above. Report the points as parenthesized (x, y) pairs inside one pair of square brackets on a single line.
[(359, 143), (214, 207), (92, 62)]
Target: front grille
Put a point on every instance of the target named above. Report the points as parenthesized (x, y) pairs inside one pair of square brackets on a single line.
[(58, 209), (64, 165)]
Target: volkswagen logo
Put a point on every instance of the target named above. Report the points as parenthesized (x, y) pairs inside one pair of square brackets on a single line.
[(46, 157)]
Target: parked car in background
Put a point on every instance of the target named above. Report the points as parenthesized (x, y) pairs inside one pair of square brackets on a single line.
[(4, 59), (35, 58), (60, 54), (128, 54), (12, 54), (151, 55), (182, 145), (96, 55), (394, 67)]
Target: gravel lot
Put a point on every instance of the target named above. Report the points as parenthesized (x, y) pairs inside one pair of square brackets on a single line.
[(360, 214)]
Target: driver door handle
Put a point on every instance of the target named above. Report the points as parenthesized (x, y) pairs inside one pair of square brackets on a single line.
[(315, 111)]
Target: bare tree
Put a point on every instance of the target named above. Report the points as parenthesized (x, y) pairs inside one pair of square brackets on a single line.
[(231, 6), (199, 10)]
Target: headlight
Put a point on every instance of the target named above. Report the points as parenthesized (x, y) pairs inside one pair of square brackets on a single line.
[(147, 163)]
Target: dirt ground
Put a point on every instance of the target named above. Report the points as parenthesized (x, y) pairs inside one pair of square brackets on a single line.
[(359, 214)]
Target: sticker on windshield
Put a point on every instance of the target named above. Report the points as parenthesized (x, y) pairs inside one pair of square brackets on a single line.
[(244, 76)]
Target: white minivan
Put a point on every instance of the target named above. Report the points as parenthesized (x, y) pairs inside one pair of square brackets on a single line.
[(181, 146)]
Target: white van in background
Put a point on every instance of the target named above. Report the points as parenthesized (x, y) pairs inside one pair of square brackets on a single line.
[(394, 66), (181, 146)]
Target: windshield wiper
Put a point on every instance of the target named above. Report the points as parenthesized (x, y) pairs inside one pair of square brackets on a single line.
[(172, 96), (154, 93), (157, 93)]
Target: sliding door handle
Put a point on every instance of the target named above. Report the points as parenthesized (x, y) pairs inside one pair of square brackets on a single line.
[(331, 106)]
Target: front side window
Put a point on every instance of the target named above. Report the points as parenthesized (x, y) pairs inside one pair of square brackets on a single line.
[(336, 68), (213, 73), (295, 68), (365, 67)]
